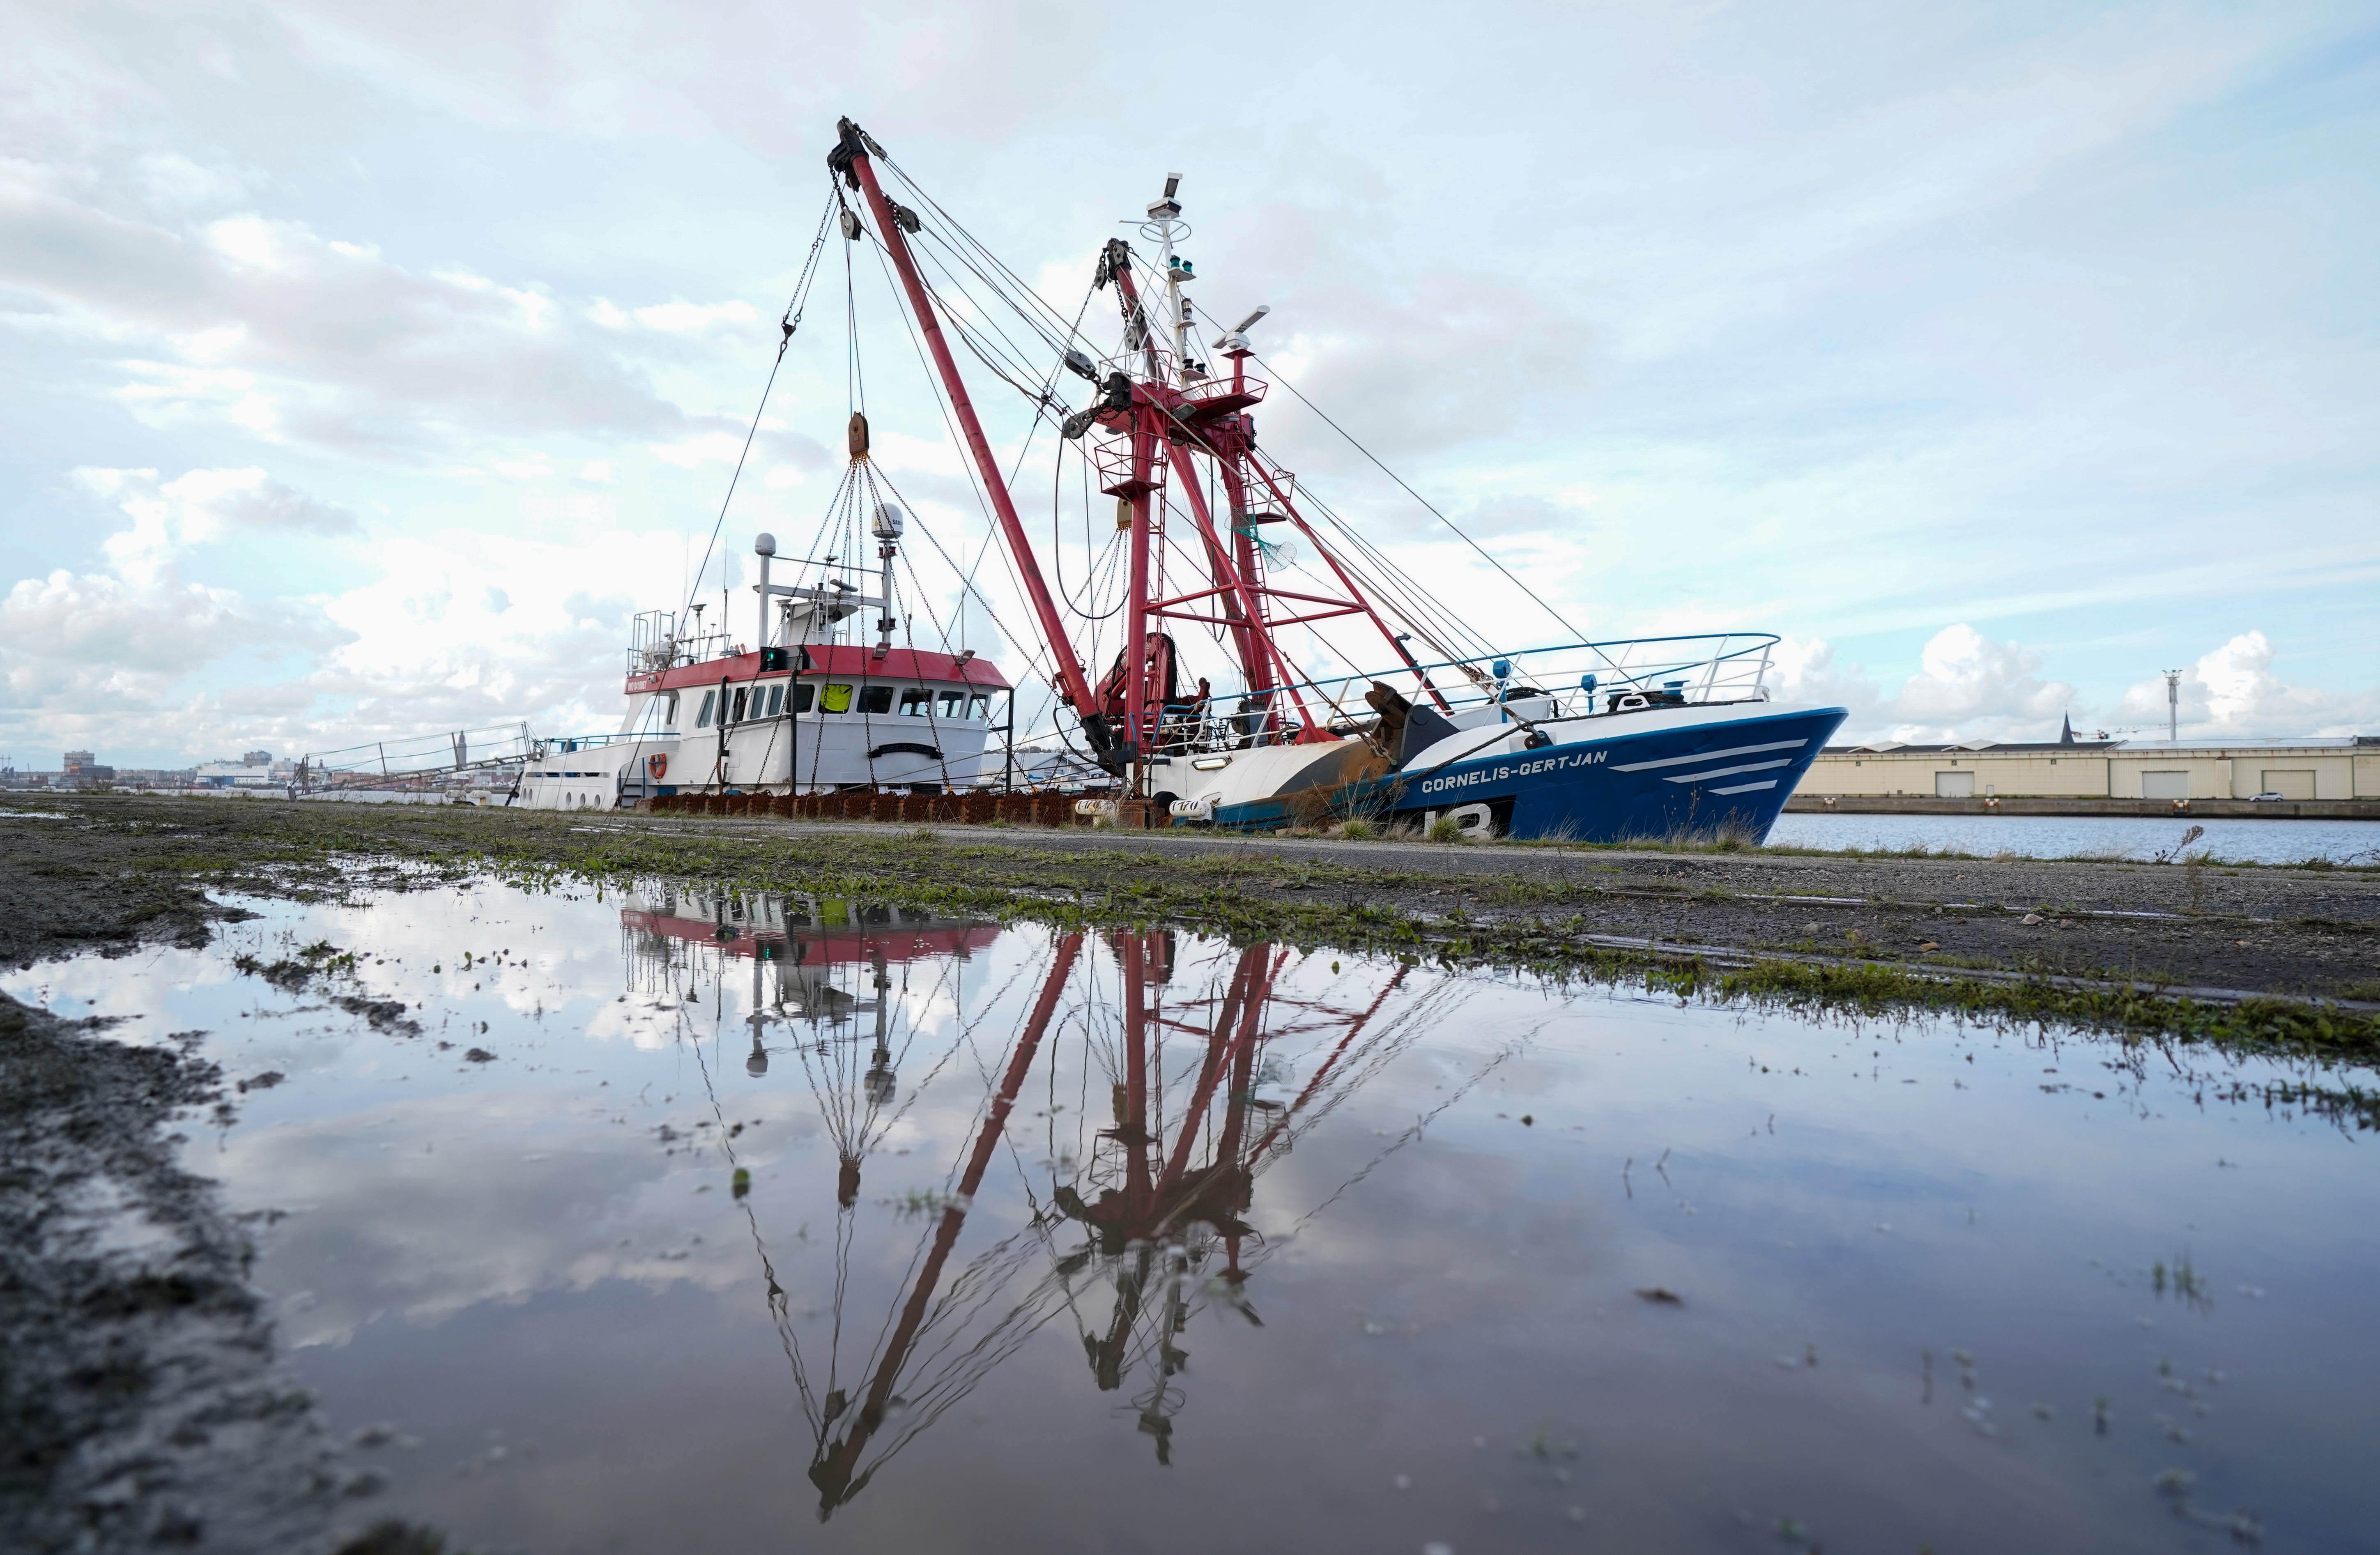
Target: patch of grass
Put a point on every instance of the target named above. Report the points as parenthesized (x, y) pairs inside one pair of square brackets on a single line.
[(1537, 927)]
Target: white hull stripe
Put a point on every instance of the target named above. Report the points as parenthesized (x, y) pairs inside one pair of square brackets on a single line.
[(1745, 787), (1730, 771), (1709, 756)]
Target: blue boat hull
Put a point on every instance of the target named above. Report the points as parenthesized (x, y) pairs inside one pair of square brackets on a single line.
[(1730, 778)]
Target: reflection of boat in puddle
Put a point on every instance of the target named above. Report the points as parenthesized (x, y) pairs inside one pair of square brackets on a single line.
[(1206, 1069), (802, 930), (801, 950), (818, 963)]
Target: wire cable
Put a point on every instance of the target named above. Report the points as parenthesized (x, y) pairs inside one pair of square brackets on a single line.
[(791, 322)]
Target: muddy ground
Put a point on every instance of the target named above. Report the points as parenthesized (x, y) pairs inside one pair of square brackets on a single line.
[(113, 873), (141, 1406)]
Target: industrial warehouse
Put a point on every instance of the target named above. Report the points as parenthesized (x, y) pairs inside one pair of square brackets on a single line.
[(2307, 776)]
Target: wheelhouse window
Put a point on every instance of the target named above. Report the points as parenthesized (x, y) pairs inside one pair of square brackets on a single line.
[(741, 692), (836, 698), (876, 698), (954, 704), (915, 701), (776, 701), (669, 711), (802, 697), (710, 703), (977, 706)]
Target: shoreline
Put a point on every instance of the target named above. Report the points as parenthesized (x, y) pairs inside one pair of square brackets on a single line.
[(2127, 943), (2151, 809)]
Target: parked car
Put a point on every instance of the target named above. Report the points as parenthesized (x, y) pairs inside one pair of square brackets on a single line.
[(2263, 799)]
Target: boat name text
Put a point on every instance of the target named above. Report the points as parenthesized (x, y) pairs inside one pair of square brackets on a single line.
[(1522, 769)]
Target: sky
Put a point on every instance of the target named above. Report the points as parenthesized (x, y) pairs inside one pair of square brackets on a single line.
[(365, 367)]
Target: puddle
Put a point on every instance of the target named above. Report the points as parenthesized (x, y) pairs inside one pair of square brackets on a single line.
[(686, 1222)]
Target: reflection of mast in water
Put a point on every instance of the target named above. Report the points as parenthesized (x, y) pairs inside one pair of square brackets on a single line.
[(804, 945), (856, 1115), (835, 1470), (1161, 1215), (1159, 1209)]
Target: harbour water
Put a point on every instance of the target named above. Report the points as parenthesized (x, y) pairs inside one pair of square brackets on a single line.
[(696, 1221), (2094, 836)]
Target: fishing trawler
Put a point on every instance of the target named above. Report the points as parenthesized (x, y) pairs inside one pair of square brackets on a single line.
[(1230, 606), (806, 711)]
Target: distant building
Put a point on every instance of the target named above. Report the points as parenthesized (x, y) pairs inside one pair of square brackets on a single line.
[(154, 777), (255, 769), (2339, 767), (75, 760)]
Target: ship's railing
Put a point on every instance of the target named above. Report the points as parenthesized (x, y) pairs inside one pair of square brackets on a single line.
[(1120, 475), (448, 758), (1264, 508), (565, 745), (1221, 392), (656, 643), (1150, 362), (1564, 682)]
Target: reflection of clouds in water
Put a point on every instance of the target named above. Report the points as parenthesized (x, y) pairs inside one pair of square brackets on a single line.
[(488, 1197), (562, 971), (474, 1237), (634, 1022), (929, 1006), (125, 988), (572, 949)]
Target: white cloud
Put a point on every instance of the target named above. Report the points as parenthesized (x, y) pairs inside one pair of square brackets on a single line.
[(1967, 686), (1968, 681), (264, 326), (531, 466), (1849, 325), (1970, 686), (103, 651), (137, 656), (715, 447), (2232, 690), (117, 660), (685, 317), (170, 517)]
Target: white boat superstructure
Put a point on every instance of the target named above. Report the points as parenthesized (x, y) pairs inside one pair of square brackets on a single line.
[(806, 712)]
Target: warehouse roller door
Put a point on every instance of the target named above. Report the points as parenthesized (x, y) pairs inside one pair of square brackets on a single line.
[(2297, 783)]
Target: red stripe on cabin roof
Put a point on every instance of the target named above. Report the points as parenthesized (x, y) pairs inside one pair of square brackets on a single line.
[(899, 942), (849, 661)]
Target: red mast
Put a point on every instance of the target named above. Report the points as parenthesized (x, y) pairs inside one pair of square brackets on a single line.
[(851, 160), (1175, 412)]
